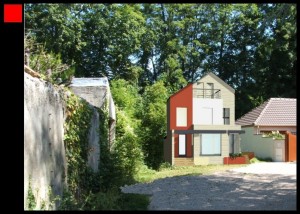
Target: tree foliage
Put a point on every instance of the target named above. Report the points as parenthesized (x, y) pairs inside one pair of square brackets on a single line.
[(149, 51)]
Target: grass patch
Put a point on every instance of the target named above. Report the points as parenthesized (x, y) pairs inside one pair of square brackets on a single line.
[(146, 175), (260, 160), (132, 201)]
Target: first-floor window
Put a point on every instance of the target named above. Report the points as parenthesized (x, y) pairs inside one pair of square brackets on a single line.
[(210, 144), (226, 116), (181, 117)]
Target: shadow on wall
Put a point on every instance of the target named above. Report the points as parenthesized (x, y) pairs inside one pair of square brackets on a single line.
[(44, 152)]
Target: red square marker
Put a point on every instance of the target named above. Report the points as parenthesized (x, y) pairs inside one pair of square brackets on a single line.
[(13, 13)]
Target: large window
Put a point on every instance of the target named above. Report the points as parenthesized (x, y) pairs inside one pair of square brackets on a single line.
[(226, 116), (181, 117), (182, 145), (210, 144)]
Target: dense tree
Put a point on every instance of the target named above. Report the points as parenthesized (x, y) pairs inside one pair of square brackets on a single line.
[(157, 48), (153, 123)]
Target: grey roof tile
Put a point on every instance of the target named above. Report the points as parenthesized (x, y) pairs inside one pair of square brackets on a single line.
[(273, 112)]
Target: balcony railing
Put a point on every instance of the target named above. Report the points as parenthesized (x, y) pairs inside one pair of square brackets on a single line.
[(207, 93)]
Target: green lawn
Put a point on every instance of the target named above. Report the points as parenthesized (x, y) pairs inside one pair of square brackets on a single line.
[(147, 175)]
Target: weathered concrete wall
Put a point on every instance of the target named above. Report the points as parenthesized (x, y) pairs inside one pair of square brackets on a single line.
[(96, 91), (44, 152), (94, 149), (95, 95)]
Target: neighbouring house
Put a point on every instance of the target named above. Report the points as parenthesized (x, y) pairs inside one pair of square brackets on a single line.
[(201, 125), (275, 114)]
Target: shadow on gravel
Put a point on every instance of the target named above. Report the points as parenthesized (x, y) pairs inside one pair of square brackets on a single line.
[(223, 191)]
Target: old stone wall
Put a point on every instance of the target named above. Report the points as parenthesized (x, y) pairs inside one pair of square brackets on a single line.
[(44, 152)]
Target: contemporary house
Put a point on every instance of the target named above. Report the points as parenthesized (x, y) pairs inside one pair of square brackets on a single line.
[(201, 126), (275, 114)]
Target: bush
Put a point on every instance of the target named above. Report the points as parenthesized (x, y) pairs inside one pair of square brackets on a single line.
[(234, 155), (134, 201), (258, 160), (165, 166), (105, 200)]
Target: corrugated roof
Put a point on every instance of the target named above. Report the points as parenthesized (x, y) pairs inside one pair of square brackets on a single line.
[(273, 112)]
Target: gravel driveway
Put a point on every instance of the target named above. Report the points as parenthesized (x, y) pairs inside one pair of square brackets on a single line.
[(259, 186)]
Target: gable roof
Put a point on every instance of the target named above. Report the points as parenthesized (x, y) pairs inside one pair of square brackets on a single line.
[(273, 112), (218, 80)]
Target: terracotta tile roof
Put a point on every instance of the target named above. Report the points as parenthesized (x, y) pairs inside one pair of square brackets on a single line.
[(273, 112)]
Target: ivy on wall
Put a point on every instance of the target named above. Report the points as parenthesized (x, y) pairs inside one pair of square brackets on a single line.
[(76, 127)]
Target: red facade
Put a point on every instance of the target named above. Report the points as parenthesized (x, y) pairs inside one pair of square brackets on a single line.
[(183, 98)]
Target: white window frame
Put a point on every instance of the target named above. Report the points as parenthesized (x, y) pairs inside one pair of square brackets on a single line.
[(181, 117)]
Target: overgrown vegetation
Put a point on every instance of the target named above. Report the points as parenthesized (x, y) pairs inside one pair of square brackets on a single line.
[(258, 160), (45, 203), (234, 155), (31, 201), (252, 47), (148, 52), (77, 126), (275, 135), (49, 65), (118, 163)]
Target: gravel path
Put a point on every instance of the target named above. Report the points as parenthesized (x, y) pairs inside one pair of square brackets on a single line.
[(272, 187)]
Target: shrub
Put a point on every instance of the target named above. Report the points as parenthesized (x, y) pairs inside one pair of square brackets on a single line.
[(165, 166), (234, 155)]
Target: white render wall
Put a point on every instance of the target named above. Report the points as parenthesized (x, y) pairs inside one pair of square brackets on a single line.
[(200, 104), (263, 147)]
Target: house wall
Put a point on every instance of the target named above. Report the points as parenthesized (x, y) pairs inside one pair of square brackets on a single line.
[(215, 104), (205, 160), (262, 147), (168, 148), (227, 96), (260, 129), (291, 147), (182, 99), (217, 127)]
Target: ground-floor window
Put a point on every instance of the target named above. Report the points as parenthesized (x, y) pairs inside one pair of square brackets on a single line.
[(182, 145), (210, 144), (234, 144)]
